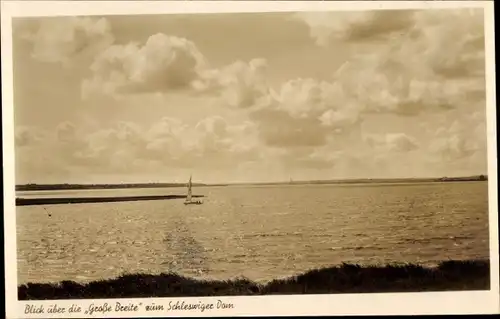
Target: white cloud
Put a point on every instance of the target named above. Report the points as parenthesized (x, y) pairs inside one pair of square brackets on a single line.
[(214, 145), (408, 63), (391, 142), (463, 138), (319, 158), (214, 125), (397, 77), (452, 41), (61, 39), (27, 136), (241, 84), (129, 148), (167, 63), (399, 71), (355, 25), (433, 59), (401, 142), (303, 98), (453, 147), (162, 64), (304, 113)]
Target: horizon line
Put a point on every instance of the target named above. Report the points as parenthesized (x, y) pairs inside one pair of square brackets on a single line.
[(291, 180)]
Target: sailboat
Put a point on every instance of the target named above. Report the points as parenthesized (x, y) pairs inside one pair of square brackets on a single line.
[(189, 198)]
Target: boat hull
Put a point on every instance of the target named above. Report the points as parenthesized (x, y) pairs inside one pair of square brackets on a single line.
[(193, 203)]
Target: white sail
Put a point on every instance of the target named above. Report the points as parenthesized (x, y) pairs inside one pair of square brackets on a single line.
[(189, 194), (189, 200)]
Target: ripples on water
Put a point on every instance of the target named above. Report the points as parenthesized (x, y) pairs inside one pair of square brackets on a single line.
[(256, 232)]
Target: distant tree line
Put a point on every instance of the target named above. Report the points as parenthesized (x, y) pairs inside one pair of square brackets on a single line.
[(32, 187), (381, 180), (469, 178), (29, 187)]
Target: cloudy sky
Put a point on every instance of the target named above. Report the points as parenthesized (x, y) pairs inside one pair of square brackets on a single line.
[(250, 97)]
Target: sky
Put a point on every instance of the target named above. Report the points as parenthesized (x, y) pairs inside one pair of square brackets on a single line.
[(249, 97)]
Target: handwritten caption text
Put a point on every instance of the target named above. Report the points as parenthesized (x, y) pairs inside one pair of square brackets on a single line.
[(121, 307)]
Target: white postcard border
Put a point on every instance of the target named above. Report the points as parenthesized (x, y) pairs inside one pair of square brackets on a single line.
[(475, 302)]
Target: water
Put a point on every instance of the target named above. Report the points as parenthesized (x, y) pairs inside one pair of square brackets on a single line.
[(259, 232)]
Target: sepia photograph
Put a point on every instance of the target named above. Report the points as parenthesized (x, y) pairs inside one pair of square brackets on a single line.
[(212, 154)]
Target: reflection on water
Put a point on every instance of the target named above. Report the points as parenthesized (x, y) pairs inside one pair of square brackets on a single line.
[(186, 252), (256, 232)]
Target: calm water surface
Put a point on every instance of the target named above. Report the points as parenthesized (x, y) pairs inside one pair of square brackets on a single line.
[(260, 232)]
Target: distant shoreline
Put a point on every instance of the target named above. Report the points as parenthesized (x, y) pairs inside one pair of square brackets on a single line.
[(451, 275), (47, 187)]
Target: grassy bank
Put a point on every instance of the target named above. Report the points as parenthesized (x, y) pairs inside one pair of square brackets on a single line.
[(345, 278)]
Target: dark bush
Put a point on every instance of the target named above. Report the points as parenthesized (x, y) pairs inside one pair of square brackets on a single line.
[(345, 278)]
